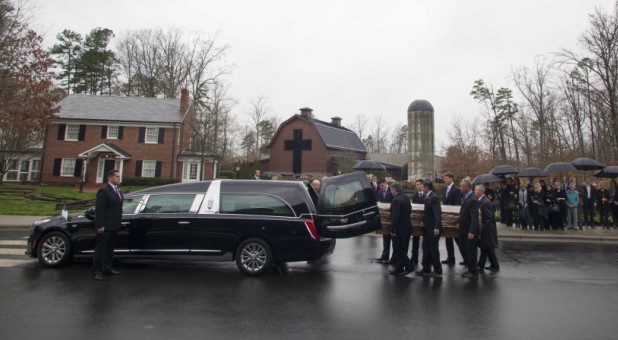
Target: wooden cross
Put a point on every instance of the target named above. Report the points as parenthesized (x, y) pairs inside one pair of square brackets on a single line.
[(297, 145)]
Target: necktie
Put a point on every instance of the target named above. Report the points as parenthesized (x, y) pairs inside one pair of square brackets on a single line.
[(117, 192)]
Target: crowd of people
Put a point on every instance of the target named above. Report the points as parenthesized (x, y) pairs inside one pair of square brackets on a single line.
[(557, 205), (477, 227)]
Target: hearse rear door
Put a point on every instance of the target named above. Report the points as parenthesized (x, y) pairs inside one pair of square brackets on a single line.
[(347, 207)]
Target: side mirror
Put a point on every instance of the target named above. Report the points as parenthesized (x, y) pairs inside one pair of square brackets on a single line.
[(90, 214)]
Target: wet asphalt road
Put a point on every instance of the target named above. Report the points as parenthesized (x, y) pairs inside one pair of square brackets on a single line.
[(544, 291)]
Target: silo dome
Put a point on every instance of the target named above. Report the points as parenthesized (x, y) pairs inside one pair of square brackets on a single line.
[(420, 105)]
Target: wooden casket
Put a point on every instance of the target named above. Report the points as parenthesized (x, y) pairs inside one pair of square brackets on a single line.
[(450, 219)]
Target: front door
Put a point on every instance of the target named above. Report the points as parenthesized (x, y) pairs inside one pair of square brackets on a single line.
[(347, 206), (107, 166)]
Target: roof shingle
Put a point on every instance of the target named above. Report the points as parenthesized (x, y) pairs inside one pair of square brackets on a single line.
[(114, 108)]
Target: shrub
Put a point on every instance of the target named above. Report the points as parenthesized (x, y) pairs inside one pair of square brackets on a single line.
[(148, 181), (227, 174)]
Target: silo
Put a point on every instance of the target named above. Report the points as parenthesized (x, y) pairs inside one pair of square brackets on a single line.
[(420, 140)]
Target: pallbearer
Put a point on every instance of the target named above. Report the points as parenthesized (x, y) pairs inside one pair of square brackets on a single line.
[(401, 229), (489, 234), (469, 228), (432, 232)]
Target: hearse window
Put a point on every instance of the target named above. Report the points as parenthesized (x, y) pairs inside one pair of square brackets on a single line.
[(130, 203), (254, 204), (169, 204), (343, 195)]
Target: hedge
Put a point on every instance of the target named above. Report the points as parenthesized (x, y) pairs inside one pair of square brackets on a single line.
[(148, 181)]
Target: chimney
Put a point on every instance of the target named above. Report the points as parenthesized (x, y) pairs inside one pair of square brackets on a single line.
[(306, 112), (335, 121), (184, 100)]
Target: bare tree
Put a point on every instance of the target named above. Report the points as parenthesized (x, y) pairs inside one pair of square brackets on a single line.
[(258, 111)]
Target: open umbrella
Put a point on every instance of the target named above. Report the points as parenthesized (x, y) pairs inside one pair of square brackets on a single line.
[(559, 167), (531, 172), (584, 163), (369, 165), (607, 172), (487, 178), (501, 170)]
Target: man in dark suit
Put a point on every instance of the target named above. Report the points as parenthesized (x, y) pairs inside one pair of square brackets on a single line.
[(401, 229), (108, 220), (469, 228), (375, 185), (418, 198), (451, 196), (256, 175), (589, 192), (385, 196), (432, 231), (489, 234)]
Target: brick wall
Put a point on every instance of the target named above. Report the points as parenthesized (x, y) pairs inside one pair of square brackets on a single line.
[(314, 161), (55, 148)]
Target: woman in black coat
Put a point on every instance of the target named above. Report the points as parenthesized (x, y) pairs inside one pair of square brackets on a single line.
[(539, 210), (553, 208)]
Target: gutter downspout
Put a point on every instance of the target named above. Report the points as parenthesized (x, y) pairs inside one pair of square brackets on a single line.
[(173, 152)]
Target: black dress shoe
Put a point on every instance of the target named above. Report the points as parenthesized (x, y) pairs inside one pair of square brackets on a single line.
[(113, 271), (381, 259), (422, 272), (435, 274), (99, 277), (492, 269), (469, 275), (448, 261), (462, 263), (397, 272)]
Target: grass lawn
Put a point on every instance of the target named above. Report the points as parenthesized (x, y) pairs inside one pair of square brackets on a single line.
[(16, 204)]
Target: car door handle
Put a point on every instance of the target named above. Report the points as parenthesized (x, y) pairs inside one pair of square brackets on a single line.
[(184, 223)]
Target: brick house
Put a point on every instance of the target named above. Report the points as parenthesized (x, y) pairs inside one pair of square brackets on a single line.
[(308, 146), (141, 137)]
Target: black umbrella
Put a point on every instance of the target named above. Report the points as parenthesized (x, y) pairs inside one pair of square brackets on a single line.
[(531, 172), (487, 178), (501, 170), (369, 165), (559, 167), (586, 164), (607, 172)]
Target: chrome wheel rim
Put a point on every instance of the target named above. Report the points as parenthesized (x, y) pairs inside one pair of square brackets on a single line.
[(53, 249), (253, 257)]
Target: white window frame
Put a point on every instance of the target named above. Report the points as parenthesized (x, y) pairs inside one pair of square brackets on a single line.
[(111, 135), (66, 163), (12, 169), (152, 135), (152, 167), (68, 133), (34, 172), (186, 171)]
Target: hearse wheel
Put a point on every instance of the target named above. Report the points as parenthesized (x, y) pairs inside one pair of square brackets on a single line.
[(54, 249), (254, 256)]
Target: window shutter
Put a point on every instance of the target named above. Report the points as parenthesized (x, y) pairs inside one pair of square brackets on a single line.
[(61, 131), (158, 169), (120, 128), (104, 131), (142, 135), (78, 167), (161, 135), (138, 169), (82, 133), (57, 165)]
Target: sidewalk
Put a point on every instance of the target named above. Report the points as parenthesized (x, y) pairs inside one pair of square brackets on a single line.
[(15, 221), (598, 235)]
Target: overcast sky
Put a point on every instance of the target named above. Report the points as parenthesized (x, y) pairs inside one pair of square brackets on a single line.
[(353, 57)]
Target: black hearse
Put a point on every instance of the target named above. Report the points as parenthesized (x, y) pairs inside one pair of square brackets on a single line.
[(259, 222)]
